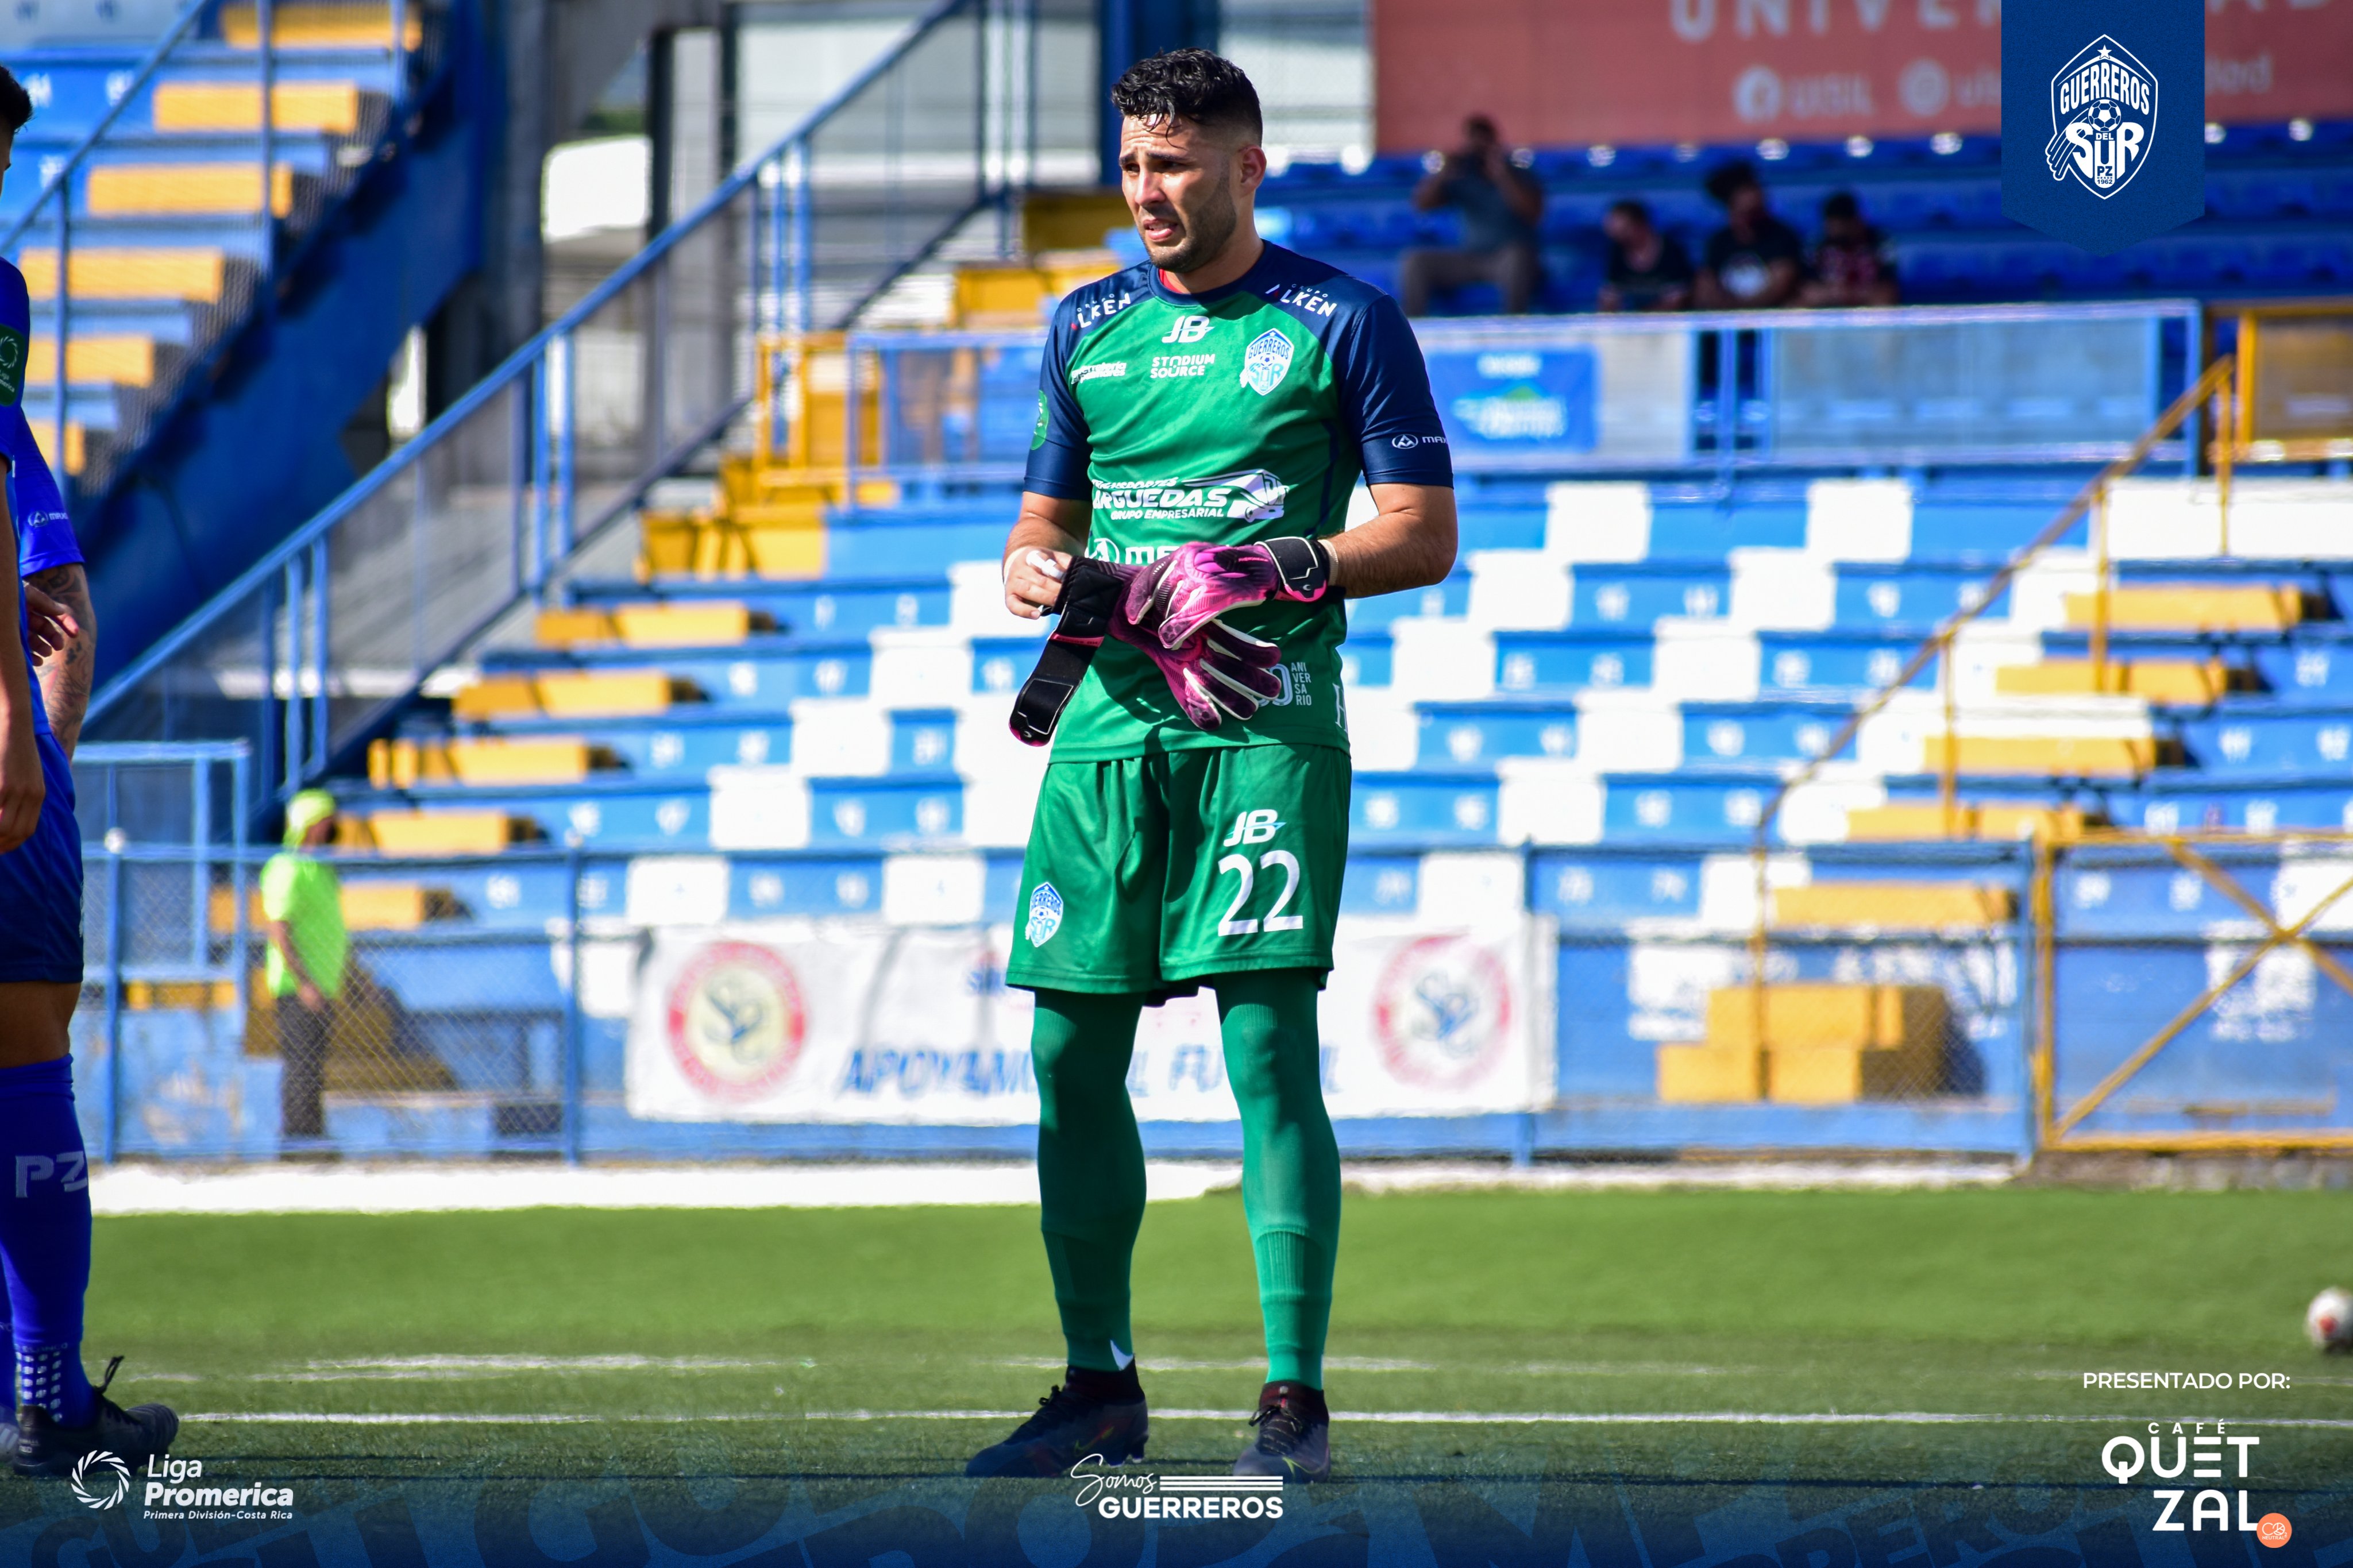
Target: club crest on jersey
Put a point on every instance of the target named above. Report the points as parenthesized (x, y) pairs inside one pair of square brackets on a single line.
[(1266, 362), (2103, 118), (1045, 915)]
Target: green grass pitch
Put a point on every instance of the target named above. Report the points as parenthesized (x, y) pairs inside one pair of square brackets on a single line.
[(731, 1343)]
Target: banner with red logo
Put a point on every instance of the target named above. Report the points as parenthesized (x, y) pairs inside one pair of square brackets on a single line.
[(1587, 72), (834, 1021)]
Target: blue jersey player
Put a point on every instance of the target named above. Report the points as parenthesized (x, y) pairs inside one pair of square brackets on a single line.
[(44, 1228)]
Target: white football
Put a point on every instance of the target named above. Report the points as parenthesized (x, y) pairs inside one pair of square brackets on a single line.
[(2329, 1320)]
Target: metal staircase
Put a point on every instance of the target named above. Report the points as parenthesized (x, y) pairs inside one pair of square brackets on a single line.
[(308, 653)]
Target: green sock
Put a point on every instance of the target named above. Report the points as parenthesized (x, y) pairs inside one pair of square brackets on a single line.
[(1290, 1162), (1090, 1168)]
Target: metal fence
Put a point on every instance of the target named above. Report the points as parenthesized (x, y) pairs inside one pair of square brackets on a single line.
[(304, 653), (1562, 395)]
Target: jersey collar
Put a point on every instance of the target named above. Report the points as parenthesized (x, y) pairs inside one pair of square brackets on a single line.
[(1251, 282)]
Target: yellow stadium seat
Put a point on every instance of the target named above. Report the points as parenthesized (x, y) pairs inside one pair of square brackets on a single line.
[(496, 696), (105, 272), (123, 358), (428, 832), (332, 107), (1913, 906), (1837, 1076), (45, 436), (1701, 1074), (137, 190), (562, 628), (1826, 1015), (666, 543), (1918, 820), (999, 295), (367, 906), (2058, 756), (709, 625), (535, 761), (1073, 220), (2192, 609), (318, 26), (2156, 679), (611, 694), (179, 995)]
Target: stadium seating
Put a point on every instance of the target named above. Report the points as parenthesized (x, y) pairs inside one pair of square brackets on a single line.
[(2279, 216), (369, 225)]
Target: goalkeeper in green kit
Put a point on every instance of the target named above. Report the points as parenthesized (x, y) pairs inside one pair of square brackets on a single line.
[(1202, 420)]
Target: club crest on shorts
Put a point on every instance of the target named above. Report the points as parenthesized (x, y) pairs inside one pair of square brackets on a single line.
[(1045, 915), (2103, 118), (1266, 362)]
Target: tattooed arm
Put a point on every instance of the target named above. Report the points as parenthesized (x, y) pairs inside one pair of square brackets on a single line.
[(65, 674)]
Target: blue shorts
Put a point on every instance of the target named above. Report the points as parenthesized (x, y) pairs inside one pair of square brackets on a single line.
[(40, 886)]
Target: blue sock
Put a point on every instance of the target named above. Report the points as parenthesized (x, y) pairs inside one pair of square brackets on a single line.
[(44, 1236)]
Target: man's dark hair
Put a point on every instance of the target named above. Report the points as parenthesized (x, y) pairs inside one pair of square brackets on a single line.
[(1728, 180), (15, 105), (1638, 211), (1190, 84), (1841, 205), (1481, 125)]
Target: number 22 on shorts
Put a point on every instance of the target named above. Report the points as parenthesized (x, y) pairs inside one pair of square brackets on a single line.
[(1256, 827)]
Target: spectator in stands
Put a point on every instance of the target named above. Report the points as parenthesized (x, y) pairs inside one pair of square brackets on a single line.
[(1647, 270), (1499, 203), (303, 908), (1754, 261), (1851, 264)]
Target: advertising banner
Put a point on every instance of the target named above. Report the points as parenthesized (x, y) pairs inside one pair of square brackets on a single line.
[(837, 1021), (1549, 396), (1586, 72)]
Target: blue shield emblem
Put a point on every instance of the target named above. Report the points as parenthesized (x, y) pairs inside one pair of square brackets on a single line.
[(2085, 156), (1266, 362), (2103, 118), (1045, 915)]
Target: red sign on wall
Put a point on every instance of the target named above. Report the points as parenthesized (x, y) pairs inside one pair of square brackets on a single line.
[(1571, 72)]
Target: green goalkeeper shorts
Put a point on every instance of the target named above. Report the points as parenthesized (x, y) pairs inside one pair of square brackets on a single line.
[(1146, 874)]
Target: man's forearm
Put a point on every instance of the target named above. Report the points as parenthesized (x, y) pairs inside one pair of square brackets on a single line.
[(1410, 543), (66, 677)]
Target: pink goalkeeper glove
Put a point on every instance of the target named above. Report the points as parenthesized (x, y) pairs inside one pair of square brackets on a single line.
[(1218, 675), (1178, 594)]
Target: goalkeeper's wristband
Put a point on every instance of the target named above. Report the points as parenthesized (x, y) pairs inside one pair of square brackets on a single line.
[(1302, 567), (1091, 594)]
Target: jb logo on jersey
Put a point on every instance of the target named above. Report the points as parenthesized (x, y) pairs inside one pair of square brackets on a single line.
[(1188, 330)]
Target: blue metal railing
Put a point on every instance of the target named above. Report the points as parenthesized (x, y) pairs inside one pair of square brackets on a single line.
[(1968, 384), (470, 521)]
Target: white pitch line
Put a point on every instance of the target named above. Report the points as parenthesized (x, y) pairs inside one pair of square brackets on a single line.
[(405, 1188), (1369, 1418)]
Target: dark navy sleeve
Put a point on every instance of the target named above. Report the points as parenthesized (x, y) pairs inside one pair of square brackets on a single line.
[(1385, 398), (1060, 446), (45, 535)]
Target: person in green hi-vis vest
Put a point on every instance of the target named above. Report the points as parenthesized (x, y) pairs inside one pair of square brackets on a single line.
[(1204, 417), (302, 906)]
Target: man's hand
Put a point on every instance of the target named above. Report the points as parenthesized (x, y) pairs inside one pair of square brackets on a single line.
[(1194, 582), (53, 624), (22, 787), (312, 998), (1033, 580)]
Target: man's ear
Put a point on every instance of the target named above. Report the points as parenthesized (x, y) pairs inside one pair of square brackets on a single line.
[(1251, 161)]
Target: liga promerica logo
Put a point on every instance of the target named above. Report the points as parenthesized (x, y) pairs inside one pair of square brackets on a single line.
[(99, 1480), (2103, 118)]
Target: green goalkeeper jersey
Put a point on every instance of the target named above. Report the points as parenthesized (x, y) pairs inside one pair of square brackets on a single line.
[(1245, 413)]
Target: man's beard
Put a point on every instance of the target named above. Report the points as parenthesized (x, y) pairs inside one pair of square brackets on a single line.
[(1205, 234)]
